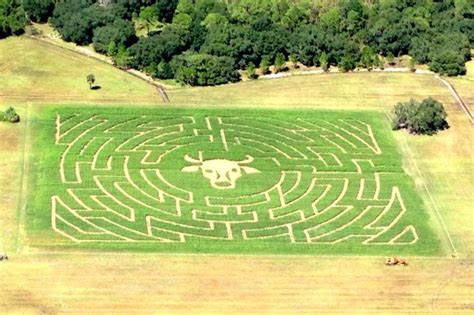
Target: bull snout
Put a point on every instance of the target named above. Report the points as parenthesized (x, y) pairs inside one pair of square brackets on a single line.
[(223, 181), (223, 178)]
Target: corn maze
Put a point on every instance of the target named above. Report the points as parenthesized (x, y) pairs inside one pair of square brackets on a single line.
[(317, 178)]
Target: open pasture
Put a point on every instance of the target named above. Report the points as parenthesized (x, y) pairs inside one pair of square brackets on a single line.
[(178, 180)]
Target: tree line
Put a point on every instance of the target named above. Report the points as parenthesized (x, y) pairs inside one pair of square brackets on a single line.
[(206, 42)]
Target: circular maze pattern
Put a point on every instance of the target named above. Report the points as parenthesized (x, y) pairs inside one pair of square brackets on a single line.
[(168, 178)]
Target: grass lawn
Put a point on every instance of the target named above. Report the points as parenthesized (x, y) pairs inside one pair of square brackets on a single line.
[(165, 180)]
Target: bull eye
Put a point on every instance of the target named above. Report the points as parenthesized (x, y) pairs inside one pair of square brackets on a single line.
[(208, 171), (234, 170)]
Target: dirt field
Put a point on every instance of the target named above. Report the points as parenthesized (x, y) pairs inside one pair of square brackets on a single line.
[(93, 284)]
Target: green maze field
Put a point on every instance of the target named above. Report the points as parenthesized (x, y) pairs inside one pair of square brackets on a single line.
[(239, 181)]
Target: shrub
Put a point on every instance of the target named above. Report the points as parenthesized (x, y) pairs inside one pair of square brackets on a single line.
[(252, 74), (378, 62), (447, 62), (294, 60), (121, 58), (391, 59), (346, 64), (10, 115), (427, 117), (265, 65), (323, 61), (164, 71), (280, 63), (412, 65)]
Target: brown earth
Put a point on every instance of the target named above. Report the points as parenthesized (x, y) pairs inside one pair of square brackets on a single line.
[(90, 284)]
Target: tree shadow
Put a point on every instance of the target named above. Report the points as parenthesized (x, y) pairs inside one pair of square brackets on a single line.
[(95, 87)]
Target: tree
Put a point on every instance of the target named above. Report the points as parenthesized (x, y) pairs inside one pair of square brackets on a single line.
[(323, 61), (38, 10), (367, 59), (202, 69), (10, 115), (185, 6), (166, 9), (332, 18), (77, 20), (294, 60), (164, 71), (251, 73), (378, 62), (122, 9), (426, 117), (449, 51), (279, 62), (12, 18), (346, 33), (308, 43), (214, 21), (412, 65), (347, 63), (265, 65), (121, 59), (402, 114), (447, 62), (121, 33), (149, 17), (390, 59), (420, 49), (153, 49), (112, 49), (90, 80)]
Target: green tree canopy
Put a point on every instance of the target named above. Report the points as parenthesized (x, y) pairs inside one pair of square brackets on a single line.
[(425, 117), (203, 69), (120, 33), (38, 10), (12, 18)]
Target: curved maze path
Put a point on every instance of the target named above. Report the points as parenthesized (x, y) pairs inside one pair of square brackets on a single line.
[(303, 180)]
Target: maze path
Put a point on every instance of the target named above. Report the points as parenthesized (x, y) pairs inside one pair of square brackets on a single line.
[(311, 181)]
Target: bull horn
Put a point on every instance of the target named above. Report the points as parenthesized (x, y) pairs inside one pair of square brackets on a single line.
[(189, 159), (248, 159)]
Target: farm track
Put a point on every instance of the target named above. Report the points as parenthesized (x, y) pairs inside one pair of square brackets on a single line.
[(458, 98)]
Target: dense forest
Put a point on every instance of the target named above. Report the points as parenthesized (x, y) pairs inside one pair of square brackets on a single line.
[(206, 42)]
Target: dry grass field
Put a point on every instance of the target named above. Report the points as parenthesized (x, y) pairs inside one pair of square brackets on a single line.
[(464, 85), (38, 281), (362, 90), (31, 70)]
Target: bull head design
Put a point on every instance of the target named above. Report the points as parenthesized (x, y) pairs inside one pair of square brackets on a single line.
[(222, 173)]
